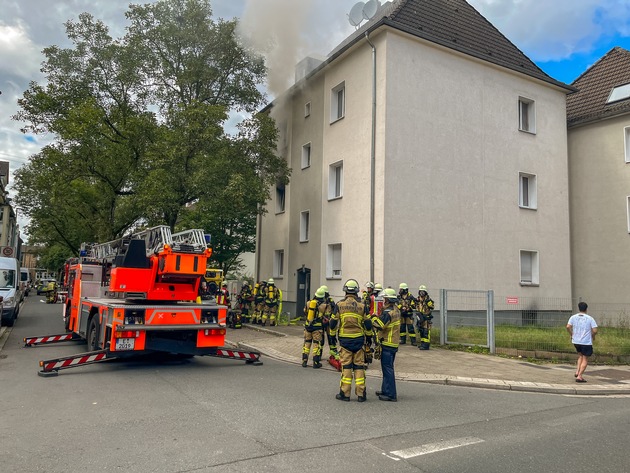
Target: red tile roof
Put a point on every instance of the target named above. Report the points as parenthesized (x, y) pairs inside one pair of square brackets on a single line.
[(594, 87)]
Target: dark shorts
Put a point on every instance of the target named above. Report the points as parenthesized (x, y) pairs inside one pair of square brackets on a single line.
[(586, 350)]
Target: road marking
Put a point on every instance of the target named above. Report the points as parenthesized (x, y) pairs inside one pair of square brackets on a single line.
[(435, 447), (571, 418)]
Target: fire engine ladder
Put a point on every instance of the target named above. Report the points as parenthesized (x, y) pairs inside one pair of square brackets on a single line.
[(194, 239)]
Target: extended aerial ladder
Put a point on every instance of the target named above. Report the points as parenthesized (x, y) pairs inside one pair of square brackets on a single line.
[(135, 295)]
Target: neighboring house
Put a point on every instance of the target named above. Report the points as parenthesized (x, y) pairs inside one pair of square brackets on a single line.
[(9, 229), (599, 164), (457, 178)]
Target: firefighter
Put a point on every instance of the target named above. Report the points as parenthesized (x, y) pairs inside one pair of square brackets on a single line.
[(259, 301), (330, 337), (366, 297), (316, 309), (376, 300), (387, 327), (351, 322), (406, 306), (204, 292), (273, 303), (424, 306), (245, 299)]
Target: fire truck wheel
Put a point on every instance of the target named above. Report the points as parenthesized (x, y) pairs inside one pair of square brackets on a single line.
[(92, 334)]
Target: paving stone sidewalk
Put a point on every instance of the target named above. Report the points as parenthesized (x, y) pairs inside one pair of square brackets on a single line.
[(440, 366)]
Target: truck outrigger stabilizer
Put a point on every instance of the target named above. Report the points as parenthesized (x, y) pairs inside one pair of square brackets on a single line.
[(53, 366)]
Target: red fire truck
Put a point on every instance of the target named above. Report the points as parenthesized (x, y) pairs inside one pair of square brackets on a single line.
[(136, 295)]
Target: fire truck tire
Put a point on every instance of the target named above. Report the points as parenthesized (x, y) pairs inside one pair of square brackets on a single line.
[(92, 334)]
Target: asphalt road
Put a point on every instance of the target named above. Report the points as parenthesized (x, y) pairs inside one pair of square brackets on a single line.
[(207, 415)]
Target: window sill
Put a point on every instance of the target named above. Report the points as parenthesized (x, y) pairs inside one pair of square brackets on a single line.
[(303, 241), (530, 284), (527, 208), (334, 198), (305, 167), (527, 131), (336, 120), (281, 212)]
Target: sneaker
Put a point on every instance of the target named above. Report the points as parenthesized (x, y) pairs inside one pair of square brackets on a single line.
[(341, 397)]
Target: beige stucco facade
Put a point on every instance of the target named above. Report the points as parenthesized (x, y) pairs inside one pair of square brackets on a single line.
[(600, 237), (448, 154)]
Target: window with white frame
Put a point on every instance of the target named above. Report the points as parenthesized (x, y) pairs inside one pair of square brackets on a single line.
[(628, 211), (626, 135), (526, 115), (280, 198), (278, 263), (335, 180), (338, 102), (307, 109), (304, 225), (529, 268), (333, 261), (527, 192), (306, 155)]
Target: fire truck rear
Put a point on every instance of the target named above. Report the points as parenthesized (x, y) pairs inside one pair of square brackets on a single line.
[(136, 295)]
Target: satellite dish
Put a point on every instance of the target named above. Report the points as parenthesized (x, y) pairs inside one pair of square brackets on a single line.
[(370, 9), (355, 17)]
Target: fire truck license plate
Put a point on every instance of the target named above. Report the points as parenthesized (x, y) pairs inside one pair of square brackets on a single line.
[(125, 344)]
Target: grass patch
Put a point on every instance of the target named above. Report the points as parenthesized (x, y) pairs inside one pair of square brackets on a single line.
[(609, 340)]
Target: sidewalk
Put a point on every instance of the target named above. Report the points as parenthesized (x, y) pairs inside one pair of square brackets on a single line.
[(440, 366)]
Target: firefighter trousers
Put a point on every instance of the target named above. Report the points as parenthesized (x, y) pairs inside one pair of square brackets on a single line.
[(406, 328), (314, 339), (352, 366)]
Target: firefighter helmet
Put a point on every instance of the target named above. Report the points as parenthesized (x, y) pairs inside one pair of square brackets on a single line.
[(270, 282), (224, 284), (351, 287), (390, 294), (369, 285), (403, 286), (320, 293), (325, 289), (422, 288), (378, 286)]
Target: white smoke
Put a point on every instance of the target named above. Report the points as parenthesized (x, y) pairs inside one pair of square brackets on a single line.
[(286, 31)]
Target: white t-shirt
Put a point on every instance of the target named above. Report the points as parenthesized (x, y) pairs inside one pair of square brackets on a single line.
[(582, 325)]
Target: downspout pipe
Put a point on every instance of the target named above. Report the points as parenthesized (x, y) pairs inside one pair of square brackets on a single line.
[(372, 159)]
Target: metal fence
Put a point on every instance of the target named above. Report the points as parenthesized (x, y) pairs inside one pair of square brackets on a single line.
[(528, 326)]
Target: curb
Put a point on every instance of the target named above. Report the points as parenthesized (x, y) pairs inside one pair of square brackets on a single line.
[(4, 335), (497, 384)]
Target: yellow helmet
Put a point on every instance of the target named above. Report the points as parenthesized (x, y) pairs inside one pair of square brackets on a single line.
[(320, 293), (351, 287), (390, 294)]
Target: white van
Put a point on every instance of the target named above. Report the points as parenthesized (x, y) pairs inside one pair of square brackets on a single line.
[(24, 282), (10, 289)]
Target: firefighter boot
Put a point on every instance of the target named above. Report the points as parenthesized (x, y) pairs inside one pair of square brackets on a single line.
[(304, 360), (363, 398), (342, 397), (316, 363), (403, 340)]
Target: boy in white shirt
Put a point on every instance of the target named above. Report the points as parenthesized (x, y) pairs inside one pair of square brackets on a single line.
[(582, 328)]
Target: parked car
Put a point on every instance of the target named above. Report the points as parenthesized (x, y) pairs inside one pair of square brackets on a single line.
[(10, 290)]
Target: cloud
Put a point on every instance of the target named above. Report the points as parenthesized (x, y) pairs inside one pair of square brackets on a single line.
[(558, 29), (19, 55)]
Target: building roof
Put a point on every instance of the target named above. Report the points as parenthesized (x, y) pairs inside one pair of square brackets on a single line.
[(594, 86), (456, 25)]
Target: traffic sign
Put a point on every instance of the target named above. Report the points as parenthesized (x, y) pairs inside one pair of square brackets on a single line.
[(7, 251)]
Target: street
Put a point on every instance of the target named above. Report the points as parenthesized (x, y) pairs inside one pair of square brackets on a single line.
[(209, 414)]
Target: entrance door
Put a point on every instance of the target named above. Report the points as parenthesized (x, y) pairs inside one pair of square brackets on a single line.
[(303, 290)]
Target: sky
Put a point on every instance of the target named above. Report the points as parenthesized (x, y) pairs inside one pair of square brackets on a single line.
[(563, 37)]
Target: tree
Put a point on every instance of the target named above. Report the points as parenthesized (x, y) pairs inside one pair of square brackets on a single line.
[(139, 126)]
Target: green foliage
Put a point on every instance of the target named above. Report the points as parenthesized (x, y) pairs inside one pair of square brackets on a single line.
[(139, 132)]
